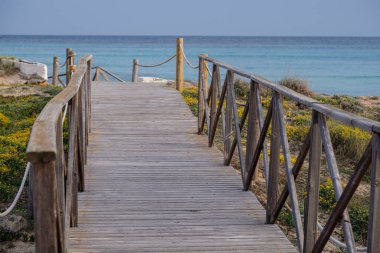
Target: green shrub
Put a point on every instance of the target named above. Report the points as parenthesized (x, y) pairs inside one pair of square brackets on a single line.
[(348, 142), (190, 95), (286, 218), (344, 102), (241, 89), (327, 196), (359, 216), (297, 84), (17, 116)]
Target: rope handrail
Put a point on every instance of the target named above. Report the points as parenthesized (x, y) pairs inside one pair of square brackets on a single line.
[(27, 169), (111, 74), (18, 195), (159, 64), (64, 63), (187, 60)]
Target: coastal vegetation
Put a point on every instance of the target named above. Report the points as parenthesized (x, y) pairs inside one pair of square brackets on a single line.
[(348, 142), (19, 107)]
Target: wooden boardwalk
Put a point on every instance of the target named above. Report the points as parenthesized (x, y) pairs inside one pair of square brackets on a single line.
[(153, 185)]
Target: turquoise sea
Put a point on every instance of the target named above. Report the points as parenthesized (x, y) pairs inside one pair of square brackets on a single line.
[(332, 65)]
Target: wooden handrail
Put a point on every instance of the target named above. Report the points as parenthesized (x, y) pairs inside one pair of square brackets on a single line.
[(45, 147), (328, 110), (220, 102), (56, 177)]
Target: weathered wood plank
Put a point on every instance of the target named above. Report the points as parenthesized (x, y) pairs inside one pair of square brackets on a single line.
[(149, 190)]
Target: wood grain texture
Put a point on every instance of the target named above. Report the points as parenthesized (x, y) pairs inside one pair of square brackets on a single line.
[(154, 185)]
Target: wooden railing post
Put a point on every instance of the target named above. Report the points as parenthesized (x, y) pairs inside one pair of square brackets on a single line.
[(179, 65), (70, 61), (45, 206), (88, 100), (135, 71), (312, 188), (274, 162), (55, 71), (54, 176), (374, 211), (228, 115), (214, 97), (201, 107), (205, 73), (253, 131), (60, 167)]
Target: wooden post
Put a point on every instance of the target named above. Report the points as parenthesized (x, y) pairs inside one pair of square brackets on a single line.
[(30, 192), (179, 65), (70, 61), (55, 71), (253, 131), (312, 199), (201, 106), (374, 212), (274, 162), (135, 71), (205, 73), (45, 207), (228, 121), (214, 97), (60, 177), (67, 65)]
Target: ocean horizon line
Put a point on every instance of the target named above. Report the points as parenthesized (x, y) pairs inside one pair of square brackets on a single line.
[(195, 36)]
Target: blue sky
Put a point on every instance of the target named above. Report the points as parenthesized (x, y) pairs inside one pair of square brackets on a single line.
[(191, 17)]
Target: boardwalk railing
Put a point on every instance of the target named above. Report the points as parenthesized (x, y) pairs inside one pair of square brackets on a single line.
[(219, 104), (56, 177)]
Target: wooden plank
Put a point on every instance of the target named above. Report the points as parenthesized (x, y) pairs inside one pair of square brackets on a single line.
[(151, 191)]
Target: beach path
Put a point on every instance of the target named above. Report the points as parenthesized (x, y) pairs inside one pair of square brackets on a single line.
[(154, 185)]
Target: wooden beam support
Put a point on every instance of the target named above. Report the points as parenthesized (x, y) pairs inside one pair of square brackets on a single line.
[(259, 147), (289, 174), (335, 177)]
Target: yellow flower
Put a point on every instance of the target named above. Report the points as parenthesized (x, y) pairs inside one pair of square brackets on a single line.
[(4, 120)]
